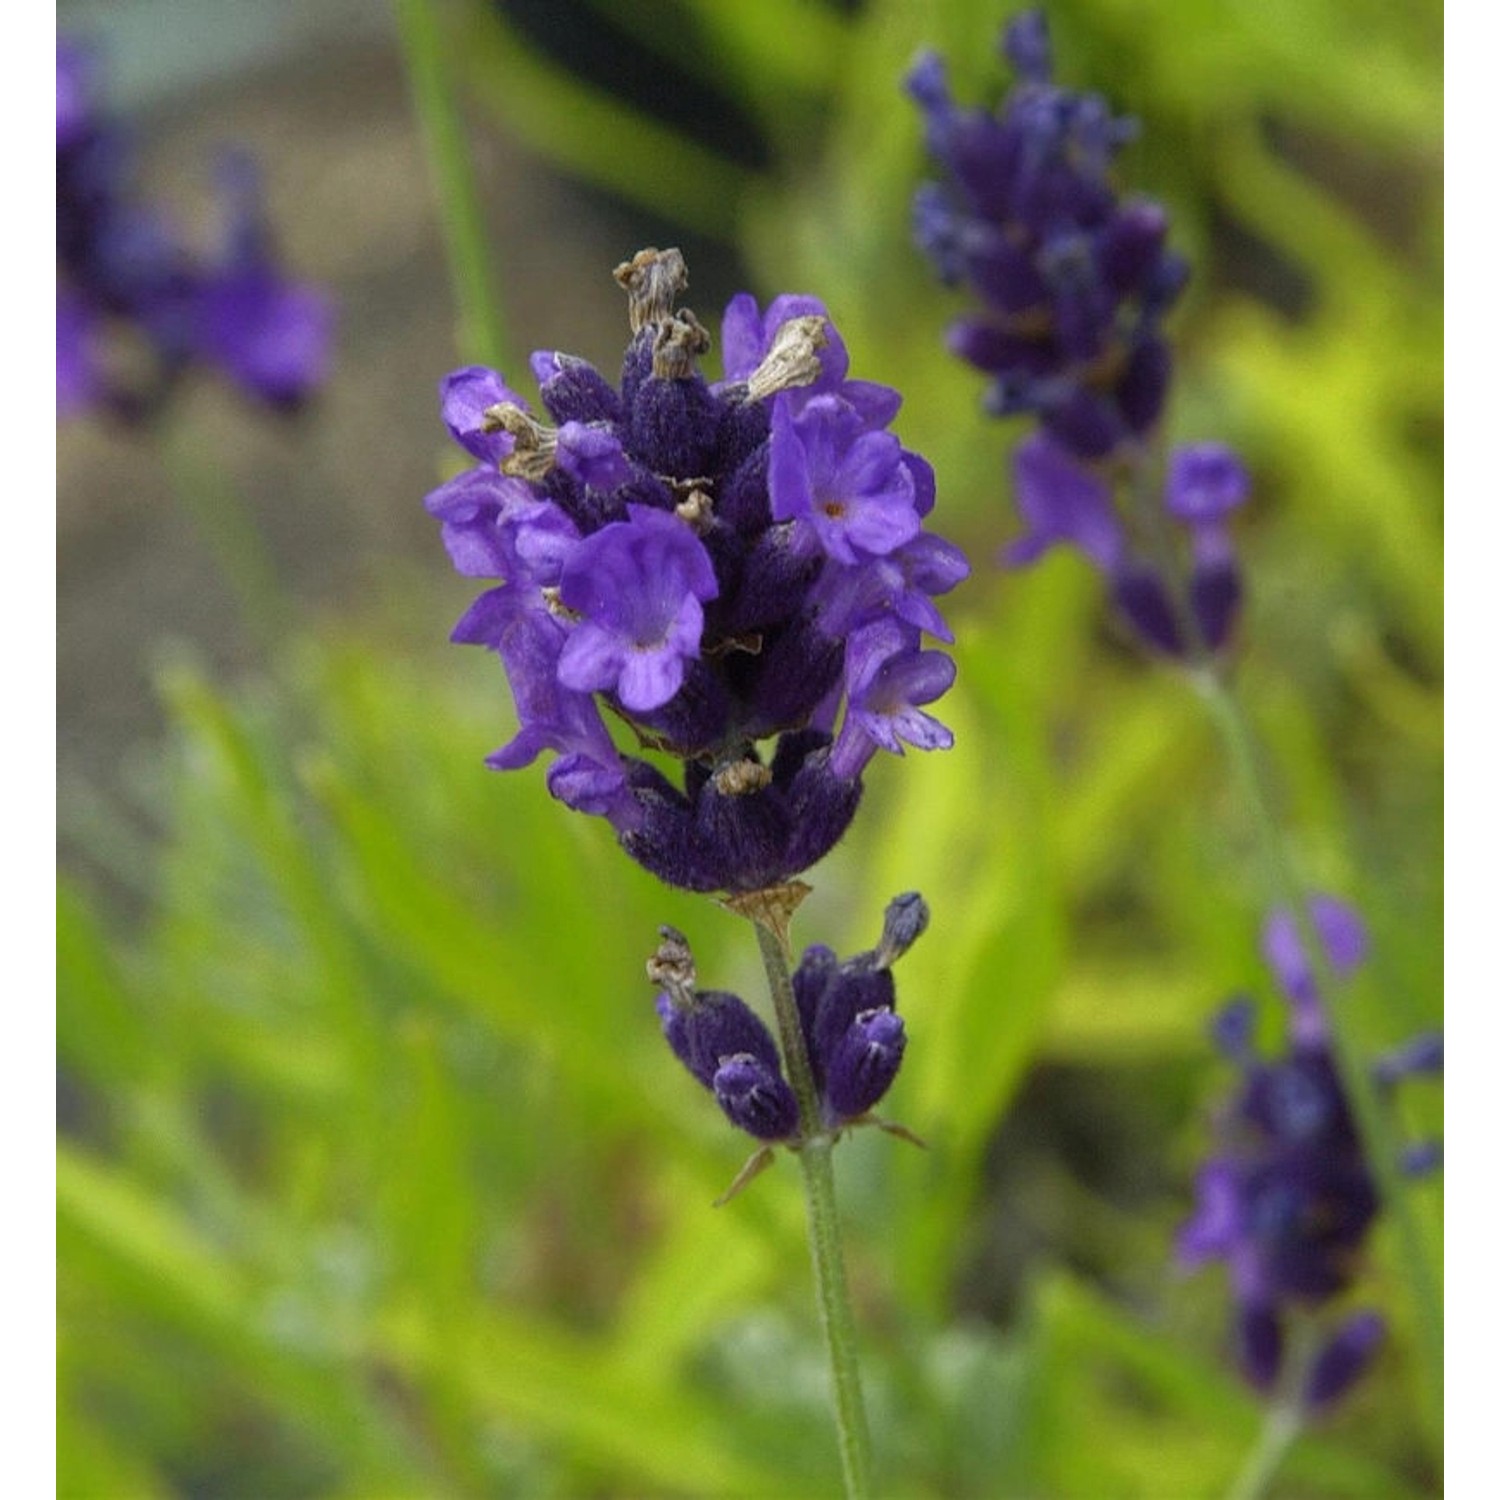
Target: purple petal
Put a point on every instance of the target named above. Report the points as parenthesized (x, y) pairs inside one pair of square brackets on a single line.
[(1205, 482), (466, 395), (1062, 502), (648, 679)]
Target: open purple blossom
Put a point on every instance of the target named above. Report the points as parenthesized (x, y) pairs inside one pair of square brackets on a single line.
[(1063, 503), (846, 484), (716, 568), (638, 587), (1288, 1198), (888, 679), (846, 1010), (125, 273)]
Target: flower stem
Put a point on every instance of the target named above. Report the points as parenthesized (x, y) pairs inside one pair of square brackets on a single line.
[(481, 323), (1245, 755), (815, 1156), (1277, 1434)]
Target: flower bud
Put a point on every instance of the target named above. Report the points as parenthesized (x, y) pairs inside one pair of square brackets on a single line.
[(1342, 1360)]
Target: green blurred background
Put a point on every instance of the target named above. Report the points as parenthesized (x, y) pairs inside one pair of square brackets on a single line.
[(375, 1178)]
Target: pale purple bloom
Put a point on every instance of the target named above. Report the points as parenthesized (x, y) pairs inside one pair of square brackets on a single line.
[(590, 775), (1345, 942), (640, 586), (903, 584), (746, 335), (272, 337), (887, 679), (495, 527), (846, 484)]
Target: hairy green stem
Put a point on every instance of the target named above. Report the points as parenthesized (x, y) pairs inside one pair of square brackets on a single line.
[(481, 332), (815, 1156), (1277, 1435)]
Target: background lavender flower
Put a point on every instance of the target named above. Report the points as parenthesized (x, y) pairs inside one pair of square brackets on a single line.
[(1073, 282), (737, 572), (124, 272), (1288, 1199)]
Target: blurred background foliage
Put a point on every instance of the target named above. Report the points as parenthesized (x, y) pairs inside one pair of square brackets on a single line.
[(375, 1178)]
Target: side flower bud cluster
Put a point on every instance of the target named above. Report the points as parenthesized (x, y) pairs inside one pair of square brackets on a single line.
[(124, 275), (738, 573), (846, 1012), (1073, 283), (1288, 1198)]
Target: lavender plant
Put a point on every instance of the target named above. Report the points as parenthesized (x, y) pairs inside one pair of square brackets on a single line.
[(1071, 283), (1288, 1198), (738, 573), (137, 307)]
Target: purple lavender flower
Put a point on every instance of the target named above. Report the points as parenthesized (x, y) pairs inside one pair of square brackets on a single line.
[(1072, 282), (847, 1015), (1288, 1199), (739, 573), (122, 266), (638, 587), (271, 336), (887, 678), (845, 484)]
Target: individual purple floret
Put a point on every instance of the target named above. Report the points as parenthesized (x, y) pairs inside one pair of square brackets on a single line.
[(737, 574), (1072, 281), (638, 587), (1288, 1198), (126, 276), (847, 1015)]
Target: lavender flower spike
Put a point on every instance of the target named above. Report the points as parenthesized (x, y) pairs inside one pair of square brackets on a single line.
[(739, 575), (1288, 1199), (1072, 283)]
